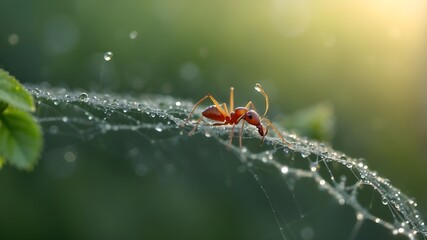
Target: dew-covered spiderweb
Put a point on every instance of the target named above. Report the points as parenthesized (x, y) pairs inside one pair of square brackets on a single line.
[(304, 169)]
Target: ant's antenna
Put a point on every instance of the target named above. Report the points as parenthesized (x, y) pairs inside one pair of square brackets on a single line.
[(259, 89)]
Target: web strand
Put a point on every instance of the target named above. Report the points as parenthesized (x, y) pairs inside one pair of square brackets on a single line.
[(152, 117)]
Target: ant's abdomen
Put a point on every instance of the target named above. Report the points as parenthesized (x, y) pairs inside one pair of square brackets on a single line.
[(213, 113)]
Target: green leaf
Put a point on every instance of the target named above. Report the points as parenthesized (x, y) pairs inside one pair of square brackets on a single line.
[(13, 93), (20, 138)]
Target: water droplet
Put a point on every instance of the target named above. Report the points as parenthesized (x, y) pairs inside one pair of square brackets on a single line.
[(133, 35), (349, 165), (284, 169), (343, 157), (359, 216), (258, 87), (178, 103), (322, 182), (208, 134), (384, 201), (305, 154), (341, 201), (83, 97), (108, 56), (70, 157), (401, 230), (53, 129), (158, 128), (377, 220), (65, 119)]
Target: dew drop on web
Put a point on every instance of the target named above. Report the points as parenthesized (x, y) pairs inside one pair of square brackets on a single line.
[(284, 169), (83, 97), (384, 201), (158, 128)]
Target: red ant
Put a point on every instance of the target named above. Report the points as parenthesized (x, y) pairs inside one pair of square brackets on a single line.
[(219, 112)]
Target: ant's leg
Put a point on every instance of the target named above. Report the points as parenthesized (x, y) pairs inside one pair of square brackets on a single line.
[(224, 105), (198, 122), (219, 124), (192, 111), (200, 101), (231, 134), (195, 127), (222, 111), (241, 134), (270, 124), (250, 104), (231, 98), (265, 134)]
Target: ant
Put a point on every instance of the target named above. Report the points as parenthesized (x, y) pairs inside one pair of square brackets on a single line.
[(219, 112)]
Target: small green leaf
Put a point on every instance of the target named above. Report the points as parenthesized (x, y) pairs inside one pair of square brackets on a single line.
[(13, 93), (20, 138)]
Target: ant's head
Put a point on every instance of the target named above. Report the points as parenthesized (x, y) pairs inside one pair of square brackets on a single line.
[(253, 118)]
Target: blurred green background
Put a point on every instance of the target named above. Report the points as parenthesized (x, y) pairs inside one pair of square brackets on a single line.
[(366, 59)]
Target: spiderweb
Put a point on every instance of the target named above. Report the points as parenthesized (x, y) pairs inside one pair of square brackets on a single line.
[(347, 180)]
